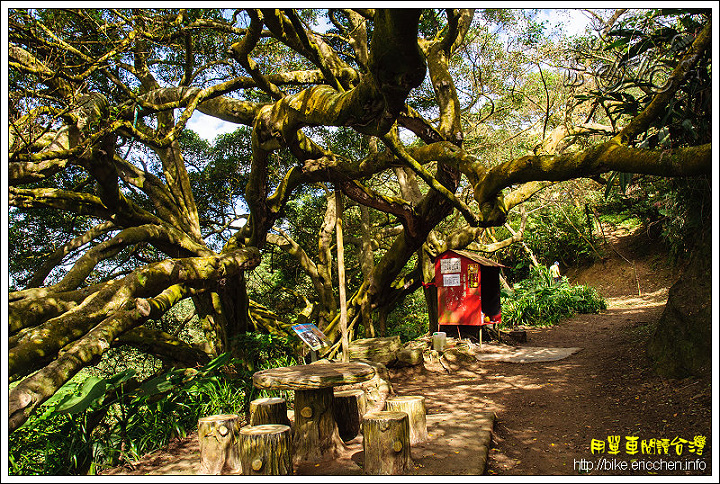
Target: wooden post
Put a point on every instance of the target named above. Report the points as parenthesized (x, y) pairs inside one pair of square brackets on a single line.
[(386, 442), (218, 444), (414, 406), (341, 274), (266, 450), (349, 406), (269, 411), (367, 264)]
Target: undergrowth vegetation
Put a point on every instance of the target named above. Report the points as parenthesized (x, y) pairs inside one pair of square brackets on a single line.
[(99, 422), (410, 318), (672, 211), (540, 301)]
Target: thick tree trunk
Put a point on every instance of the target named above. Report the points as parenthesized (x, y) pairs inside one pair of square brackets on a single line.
[(209, 309), (328, 303), (432, 305), (235, 302), (429, 291), (682, 342), (382, 320)]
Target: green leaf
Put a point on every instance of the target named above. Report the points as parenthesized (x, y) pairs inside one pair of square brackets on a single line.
[(216, 363), (609, 185), (639, 48), (92, 390), (617, 43), (625, 33), (625, 179), (121, 377), (159, 384), (664, 137)]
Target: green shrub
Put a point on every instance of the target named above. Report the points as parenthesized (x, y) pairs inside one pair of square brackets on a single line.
[(409, 319), (94, 423), (674, 210), (563, 234), (539, 301)]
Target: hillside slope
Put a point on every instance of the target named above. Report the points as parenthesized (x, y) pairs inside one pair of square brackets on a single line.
[(633, 263)]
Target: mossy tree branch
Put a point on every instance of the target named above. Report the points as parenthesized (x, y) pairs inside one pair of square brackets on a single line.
[(30, 349), (165, 282), (602, 158), (168, 348), (61, 252)]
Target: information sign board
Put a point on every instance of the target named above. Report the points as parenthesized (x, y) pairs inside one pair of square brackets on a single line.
[(451, 265), (451, 280), (311, 336)]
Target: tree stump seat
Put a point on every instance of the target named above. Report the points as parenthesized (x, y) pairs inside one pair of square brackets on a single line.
[(386, 443), (265, 450), (349, 408), (218, 444), (269, 411), (414, 406)]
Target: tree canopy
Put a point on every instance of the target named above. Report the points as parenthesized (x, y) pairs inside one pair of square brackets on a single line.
[(118, 210)]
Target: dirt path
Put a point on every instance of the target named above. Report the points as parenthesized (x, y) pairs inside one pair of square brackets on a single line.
[(606, 389), (548, 412)]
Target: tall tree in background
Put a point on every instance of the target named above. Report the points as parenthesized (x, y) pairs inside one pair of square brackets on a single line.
[(136, 213)]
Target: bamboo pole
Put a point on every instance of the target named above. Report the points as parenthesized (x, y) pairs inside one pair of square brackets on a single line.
[(341, 275)]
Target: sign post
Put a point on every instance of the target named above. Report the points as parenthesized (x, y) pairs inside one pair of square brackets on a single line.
[(311, 336)]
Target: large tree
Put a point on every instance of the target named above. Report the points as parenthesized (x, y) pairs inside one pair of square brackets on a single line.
[(137, 214)]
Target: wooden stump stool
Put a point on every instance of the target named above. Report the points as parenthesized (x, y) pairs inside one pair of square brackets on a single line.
[(349, 406), (315, 434), (266, 450), (414, 406), (218, 444), (269, 411), (386, 442)]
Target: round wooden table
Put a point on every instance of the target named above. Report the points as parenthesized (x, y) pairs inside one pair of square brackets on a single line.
[(315, 432)]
